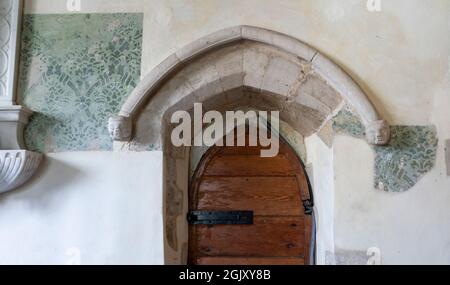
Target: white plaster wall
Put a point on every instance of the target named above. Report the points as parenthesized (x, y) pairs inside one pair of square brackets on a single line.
[(107, 205), (399, 55), (320, 157), (409, 228)]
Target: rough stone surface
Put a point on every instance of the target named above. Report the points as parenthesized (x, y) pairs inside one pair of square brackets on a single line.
[(348, 88), (280, 75), (263, 61), (209, 42), (316, 94), (281, 41), (326, 134), (255, 64), (246, 74), (305, 119)]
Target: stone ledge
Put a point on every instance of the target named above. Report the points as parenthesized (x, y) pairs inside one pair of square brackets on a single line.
[(12, 122)]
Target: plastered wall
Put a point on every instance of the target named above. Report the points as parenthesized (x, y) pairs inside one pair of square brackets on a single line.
[(400, 56), (82, 208)]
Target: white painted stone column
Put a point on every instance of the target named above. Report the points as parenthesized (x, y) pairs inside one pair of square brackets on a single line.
[(17, 164), (10, 17)]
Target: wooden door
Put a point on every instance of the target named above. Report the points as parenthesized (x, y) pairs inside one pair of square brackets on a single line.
[(238, 179)]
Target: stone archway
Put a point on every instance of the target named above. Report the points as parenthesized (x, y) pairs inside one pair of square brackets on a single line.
[(279, 64), (238, 67)]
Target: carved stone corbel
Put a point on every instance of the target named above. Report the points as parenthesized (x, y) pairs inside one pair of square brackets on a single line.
[(378, 132), (17, 165), (120, 128)]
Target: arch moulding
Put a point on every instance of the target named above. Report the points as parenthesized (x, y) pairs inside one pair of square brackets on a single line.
[(313, 63)]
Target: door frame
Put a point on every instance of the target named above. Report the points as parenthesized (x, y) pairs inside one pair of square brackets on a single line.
[(305, 190)]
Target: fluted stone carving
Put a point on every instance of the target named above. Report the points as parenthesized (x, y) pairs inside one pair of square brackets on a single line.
[(17, 165), (9, 19), (5, 34)]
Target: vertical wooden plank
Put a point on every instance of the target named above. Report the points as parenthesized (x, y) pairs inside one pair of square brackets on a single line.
[(308, 231), (213, 245)]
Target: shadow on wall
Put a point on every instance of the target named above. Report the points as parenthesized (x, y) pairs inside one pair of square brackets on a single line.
[(41, 191)]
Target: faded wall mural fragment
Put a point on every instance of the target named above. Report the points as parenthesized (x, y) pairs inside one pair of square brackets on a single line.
[(347, 122), (410, 154), (76, 70)]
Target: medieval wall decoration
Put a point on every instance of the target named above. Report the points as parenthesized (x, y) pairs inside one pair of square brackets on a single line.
[(410, 154), (76, 71), (347, 122)]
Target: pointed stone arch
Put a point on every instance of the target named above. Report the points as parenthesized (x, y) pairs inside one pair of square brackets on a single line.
[(244, 63)]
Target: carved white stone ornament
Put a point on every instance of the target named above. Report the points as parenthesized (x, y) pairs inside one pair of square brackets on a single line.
[(13, 120), (240, 73), (378, 132), (10, 17), (17, 165), (120, 128)]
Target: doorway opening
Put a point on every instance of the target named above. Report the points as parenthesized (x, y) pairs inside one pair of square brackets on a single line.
[(245, 209)]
